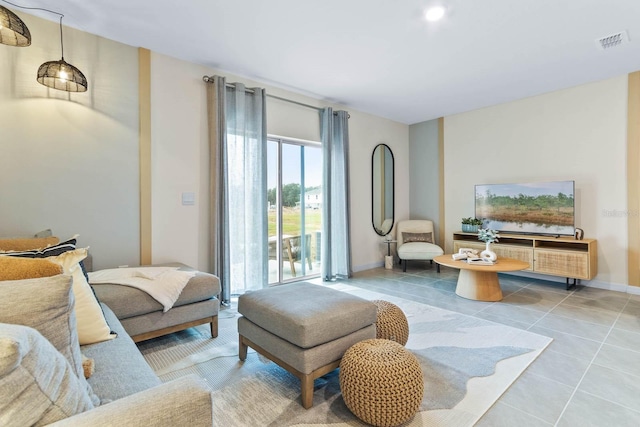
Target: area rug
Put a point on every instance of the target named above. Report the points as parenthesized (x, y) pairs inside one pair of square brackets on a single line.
[(467, 364)]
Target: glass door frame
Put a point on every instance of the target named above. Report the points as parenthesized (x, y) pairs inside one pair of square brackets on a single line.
[(280, 140)]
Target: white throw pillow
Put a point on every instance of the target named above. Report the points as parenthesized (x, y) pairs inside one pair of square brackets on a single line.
[(92, 326)]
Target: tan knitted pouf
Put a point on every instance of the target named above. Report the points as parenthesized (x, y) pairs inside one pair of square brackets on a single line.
[(381, 382), (391, 323)]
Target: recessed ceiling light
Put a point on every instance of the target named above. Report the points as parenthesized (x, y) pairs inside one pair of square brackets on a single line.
[(434, 13)]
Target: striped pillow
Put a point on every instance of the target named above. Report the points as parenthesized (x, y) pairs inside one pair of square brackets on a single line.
[(55, 250)]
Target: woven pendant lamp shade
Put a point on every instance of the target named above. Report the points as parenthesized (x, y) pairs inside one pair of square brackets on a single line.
[(62, 76), (13, 31)]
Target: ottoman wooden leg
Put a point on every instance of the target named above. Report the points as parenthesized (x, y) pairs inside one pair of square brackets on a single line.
[(242, 351), (214, 326), (306, 386)]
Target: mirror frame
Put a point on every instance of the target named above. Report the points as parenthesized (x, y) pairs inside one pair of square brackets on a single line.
[(382, 188)]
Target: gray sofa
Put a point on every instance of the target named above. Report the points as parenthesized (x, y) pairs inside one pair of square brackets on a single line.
[(132, 394), (40, 366), (122, 376), (143, 317)]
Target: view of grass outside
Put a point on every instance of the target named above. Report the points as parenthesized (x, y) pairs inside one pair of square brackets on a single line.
[(291, 225), (291, 221)]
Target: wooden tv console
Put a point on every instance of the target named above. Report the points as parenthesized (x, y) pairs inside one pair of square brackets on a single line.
[(556, 256)]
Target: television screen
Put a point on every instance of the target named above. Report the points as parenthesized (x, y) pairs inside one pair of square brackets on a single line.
[(532, 208)]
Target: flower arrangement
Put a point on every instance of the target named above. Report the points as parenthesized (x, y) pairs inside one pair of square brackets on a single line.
[(488, 235)]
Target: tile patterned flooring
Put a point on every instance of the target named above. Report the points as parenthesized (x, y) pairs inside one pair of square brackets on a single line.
[(588, 376)]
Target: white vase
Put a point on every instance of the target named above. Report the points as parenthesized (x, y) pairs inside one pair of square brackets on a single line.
[(388, 262), (488, 253)]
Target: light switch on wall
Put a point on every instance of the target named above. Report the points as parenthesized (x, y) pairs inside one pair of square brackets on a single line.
[(188, 199)]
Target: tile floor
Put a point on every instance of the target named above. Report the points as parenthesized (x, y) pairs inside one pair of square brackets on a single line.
[(588, 376)]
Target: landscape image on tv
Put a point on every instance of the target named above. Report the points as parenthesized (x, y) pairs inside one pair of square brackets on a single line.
[(532, 208)]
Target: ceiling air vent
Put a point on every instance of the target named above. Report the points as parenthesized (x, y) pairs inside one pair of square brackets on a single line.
[(613, 40)]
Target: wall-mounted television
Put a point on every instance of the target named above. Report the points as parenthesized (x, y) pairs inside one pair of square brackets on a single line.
[(528, 208)]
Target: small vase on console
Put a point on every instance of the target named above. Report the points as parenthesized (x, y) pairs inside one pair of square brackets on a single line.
[(488, 253)]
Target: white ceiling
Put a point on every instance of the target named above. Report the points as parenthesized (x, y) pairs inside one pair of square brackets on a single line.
[(379, 56)]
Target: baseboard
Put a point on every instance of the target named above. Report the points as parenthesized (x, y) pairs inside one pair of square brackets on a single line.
[(633, 290), (364, 267), (618, 287)]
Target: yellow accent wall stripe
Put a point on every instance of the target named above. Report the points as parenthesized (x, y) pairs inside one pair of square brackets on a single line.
[(633, 179), (144, 94)]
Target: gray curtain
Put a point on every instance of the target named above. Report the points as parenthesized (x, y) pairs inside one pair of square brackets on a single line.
[(218, 226), (336, 240), (238, 227)]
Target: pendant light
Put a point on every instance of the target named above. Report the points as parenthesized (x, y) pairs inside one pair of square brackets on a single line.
[(13, 31), (60, 74)]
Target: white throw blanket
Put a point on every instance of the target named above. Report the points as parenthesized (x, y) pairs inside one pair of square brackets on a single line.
[(164, 284)]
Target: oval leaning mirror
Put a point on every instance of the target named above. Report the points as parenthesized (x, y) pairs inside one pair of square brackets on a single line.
[(382, 189)]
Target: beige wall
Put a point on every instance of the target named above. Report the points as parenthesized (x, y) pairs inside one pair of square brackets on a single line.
[(180, 164), (425, 173), (70, 161), (574, 134)]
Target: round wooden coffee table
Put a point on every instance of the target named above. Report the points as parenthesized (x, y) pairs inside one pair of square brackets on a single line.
[(480, 282)]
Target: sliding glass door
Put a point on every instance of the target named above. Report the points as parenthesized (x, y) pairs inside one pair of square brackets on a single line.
[(294, 182)]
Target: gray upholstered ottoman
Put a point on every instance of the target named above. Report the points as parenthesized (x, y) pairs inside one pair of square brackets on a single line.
[(304, 328)]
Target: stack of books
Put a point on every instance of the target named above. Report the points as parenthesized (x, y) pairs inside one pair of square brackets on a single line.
[(479, 261)]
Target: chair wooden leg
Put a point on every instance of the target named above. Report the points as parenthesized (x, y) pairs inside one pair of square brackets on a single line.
[(289, 250), (404, 266)]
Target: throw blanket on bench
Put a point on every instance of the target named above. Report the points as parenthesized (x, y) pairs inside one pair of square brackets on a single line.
[(164, 284)]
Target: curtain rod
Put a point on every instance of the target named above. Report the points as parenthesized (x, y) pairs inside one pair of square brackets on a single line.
[(231, 85)]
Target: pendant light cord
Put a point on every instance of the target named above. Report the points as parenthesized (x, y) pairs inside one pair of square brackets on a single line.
[(46, 10), (61, 43)]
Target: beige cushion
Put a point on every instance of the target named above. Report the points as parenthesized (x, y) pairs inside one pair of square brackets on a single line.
[(38, 384), (419, 251), (13, 268), (25, 244), (92, 327), (45, 304)]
